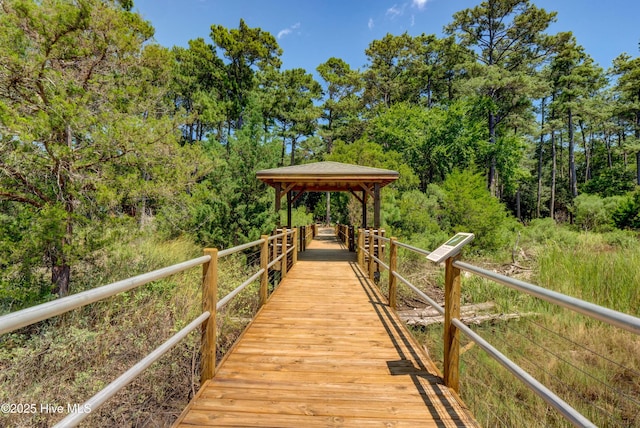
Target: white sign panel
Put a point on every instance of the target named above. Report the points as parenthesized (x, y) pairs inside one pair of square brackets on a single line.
[(451, 247)]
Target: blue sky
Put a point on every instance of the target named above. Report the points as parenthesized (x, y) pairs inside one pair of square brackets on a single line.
[(311, 31)]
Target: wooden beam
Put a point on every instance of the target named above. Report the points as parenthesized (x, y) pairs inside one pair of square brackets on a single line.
[(376, 205), (355, 195), (288, 188), (300, 193), (278, 206), (366, 189), (289, 209), (364, 209)]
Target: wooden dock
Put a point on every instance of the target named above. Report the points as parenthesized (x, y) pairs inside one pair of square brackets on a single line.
[(326, 351)]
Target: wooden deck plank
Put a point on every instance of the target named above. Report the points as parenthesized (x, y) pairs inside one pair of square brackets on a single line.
[(326, 351)]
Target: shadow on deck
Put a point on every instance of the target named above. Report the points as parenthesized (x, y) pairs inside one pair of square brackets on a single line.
[(326, 350)]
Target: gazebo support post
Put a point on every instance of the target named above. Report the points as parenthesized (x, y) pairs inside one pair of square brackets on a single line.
[(278, 188), (289, 194), (364, 209), (376, 205)]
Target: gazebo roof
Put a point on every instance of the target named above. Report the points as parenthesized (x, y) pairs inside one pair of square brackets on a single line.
[(327, 177)]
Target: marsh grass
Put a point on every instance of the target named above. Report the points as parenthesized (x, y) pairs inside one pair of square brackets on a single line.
[(591, 365), (71, 357)]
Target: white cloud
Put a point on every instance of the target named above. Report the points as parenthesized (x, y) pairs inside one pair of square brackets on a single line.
[(420, 4), (283, 33), (393, 11), (413, 20), (288, 31), (370, 24)]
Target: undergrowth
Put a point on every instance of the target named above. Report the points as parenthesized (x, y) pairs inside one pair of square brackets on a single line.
[(69, 358), (593, 366)]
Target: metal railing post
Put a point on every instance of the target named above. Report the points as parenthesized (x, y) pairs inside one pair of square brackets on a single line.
[(393, 264), (451, 332), (209, 328), (264, 262)]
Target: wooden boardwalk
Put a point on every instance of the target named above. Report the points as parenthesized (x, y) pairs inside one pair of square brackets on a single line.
[(326, 351)]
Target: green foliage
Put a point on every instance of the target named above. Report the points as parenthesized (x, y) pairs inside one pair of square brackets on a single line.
[(595, 213), (367, 153), (432, 141), (627, 214), (469, 207), (610, 182), (299, 217)]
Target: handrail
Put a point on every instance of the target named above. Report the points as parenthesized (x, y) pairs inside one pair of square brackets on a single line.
[(453, 323), (28, 316), (609, 316), (226, 299), (25, 317), (571, 414), (73, 419), (238, 248)]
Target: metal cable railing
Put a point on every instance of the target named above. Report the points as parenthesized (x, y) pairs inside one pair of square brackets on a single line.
[(367, 257), (26, 317)]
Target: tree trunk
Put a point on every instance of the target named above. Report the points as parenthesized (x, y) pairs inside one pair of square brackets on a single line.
[(540, 152), (573, 182), (491, 178), (293, 151), (587, 153), (554, 166), (638, 152)]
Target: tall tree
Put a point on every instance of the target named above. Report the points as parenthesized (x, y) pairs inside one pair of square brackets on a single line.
[(81, 116), (246, 49), (341, 108), (387, 79), (508, 41), (628, 85), (293, 94), (198, 87), (575, 79)]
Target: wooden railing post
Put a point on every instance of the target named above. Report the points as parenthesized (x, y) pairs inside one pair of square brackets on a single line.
[(264, 262), (294, 241), (372, 252), (393, 282), (451, 333), (209, 328), (283, 265), (360, 248)]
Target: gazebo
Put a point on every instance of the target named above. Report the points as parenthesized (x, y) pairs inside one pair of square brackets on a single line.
[(363, 182)]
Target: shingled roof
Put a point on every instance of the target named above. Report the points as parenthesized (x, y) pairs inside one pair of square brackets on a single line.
[(327, 176)]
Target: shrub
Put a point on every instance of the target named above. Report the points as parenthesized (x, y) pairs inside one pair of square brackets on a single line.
[(469, 207), (627, 214)]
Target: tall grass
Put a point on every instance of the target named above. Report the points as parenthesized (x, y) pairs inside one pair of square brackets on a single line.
[(592, 366), (69, 358)]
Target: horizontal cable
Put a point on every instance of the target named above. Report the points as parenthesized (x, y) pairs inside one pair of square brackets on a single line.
[(420, 293), (222, 303), (114, 387), (542, 391), (279, 235), (615, 318), (412, 248), (276, 260), (380, 263), (25, 317), (237, 248)]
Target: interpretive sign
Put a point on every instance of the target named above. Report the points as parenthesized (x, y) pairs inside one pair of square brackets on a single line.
[(451, 247)]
